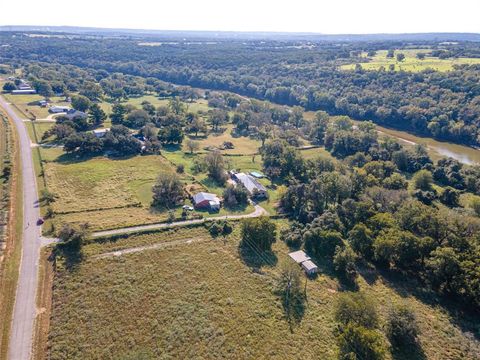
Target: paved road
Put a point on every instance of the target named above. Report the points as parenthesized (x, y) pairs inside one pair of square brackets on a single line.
[(258, 212), (20, 345)]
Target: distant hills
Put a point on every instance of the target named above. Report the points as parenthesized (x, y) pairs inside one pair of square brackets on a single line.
[(243, 35)]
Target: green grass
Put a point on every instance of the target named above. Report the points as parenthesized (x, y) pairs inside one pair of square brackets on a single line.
[(27, 104), (202, 300), (40, 127), (411, 63)]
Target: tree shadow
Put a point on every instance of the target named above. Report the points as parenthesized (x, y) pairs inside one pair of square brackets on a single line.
[(409, 352), (72, 158), (255, 258), (407, 285), (72, 257), (368, 273)]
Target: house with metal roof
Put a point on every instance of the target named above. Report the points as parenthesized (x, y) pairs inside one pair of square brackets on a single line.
[(204, 200), (254, 188)]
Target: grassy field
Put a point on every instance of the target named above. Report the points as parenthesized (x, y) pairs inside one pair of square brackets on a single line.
[(11, 252), (411, 63), (203, 300), (28, 104), (243, 145), (40, 128)]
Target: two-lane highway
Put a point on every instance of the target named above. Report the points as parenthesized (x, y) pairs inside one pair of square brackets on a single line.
[(20, 346)]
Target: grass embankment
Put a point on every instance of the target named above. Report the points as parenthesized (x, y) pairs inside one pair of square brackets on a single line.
[(411, 62), (11, 252), (207, 300)]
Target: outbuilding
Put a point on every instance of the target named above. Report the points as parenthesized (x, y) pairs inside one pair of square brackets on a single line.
[(299, 256), (310, 267), (204, 200), (23, 92)]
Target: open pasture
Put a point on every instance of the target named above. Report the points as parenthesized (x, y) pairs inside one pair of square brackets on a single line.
[(410, 63)]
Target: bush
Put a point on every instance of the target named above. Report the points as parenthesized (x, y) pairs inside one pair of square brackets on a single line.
[(358, 342), (322, 243), (344, 263), (168, 190), (259, 233), (423, 180), (402, 328), (235, 195), (180, 169), (357, 309)]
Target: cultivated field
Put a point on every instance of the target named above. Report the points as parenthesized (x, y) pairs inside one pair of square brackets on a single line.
[(202, 299), (410, 63)]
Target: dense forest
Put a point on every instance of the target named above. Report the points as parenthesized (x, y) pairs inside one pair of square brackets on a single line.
[(443, 105)]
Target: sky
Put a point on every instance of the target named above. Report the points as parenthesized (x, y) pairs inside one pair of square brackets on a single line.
[(319, 16)]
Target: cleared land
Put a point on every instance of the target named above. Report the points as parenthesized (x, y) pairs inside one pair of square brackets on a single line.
[(410, 63), (27, 107), (203, 300)]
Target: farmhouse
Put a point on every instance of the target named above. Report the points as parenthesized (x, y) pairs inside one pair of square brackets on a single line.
[(24, 86), (58, 109), (203, 200), (99, 133), (300, 257), (254, 188), (75, 114)]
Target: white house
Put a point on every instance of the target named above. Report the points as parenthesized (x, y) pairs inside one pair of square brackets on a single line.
[(99, 133), (254, 188)]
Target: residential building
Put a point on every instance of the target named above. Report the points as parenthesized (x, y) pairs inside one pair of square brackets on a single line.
[(254, 188)]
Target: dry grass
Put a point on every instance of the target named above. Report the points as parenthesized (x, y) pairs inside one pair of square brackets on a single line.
[(202, 300), (11, 253)]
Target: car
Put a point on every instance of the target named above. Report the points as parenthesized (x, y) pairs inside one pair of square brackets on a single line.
[(187, 207), (40, 221)]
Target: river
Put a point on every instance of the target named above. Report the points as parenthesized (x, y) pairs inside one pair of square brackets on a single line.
[(437, 149)]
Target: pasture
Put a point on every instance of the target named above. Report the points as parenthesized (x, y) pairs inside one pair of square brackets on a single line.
[(205, 299), (26, 105), (410, 63)]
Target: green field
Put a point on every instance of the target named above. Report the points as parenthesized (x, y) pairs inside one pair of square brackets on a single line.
[(27, 108), (411, 63), (202, 300)]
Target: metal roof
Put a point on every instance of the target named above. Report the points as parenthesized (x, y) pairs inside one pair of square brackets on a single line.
[(202, 196), (299, 256), (250, 183), (309, 265)]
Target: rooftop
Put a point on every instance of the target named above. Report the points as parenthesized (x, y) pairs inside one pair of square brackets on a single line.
[(309, 265), (250, 182), (202, 196), (299, 256)]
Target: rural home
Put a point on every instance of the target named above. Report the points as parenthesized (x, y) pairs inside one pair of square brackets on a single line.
[(99, 133), (23, 92), (254, 188), (203, 200), (75, 114), (59, 109), (300, 257)]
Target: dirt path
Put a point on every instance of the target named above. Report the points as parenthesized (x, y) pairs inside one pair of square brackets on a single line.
[(162, 245), (258, 212)]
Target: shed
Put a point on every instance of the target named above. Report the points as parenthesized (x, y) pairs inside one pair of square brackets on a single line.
[(257, 174), (299, 256), (309, 267), (23, 92)]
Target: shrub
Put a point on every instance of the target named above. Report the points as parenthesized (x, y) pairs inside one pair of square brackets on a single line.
[(357, 309), (402, 328), (259, 233), (358, 342)]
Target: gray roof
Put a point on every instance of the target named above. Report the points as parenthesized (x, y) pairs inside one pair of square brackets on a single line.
[(202, 196), (299, 256), (309, 265), (250, 183)]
